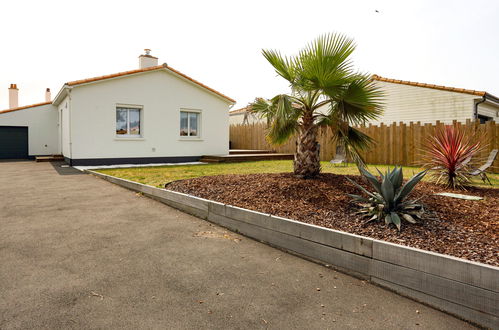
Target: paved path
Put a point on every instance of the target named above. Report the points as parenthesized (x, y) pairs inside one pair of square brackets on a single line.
[(77, 252)]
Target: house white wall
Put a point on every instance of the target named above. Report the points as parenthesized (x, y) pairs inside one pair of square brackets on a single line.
[(236, 118), (64, 127), (489, 109), (161, 95), (42, 127), (411, 103)]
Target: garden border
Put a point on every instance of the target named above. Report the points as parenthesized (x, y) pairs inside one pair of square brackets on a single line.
[(466, 289)]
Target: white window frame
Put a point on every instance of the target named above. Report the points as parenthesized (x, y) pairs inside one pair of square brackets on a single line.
[(200, 115), (141, 116)]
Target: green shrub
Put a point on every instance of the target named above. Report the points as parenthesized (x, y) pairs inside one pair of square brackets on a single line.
[(389, 200)]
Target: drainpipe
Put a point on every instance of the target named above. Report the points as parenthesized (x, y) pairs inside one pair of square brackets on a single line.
[(475, 110)]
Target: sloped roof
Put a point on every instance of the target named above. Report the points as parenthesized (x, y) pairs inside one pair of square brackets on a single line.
[(417, 84), (242, 110), (25, 107), (159, 67), (114, 75), (248, 108)]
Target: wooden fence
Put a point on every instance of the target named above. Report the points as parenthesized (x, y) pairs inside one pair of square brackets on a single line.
[(400, 143)]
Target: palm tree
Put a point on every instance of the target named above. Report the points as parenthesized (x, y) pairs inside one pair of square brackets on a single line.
[(325, 92)]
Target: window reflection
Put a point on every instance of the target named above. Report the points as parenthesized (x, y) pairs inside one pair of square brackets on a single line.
[(127, 121)]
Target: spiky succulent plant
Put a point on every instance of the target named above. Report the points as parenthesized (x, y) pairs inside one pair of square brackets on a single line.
[(389, 200), (448, 153)]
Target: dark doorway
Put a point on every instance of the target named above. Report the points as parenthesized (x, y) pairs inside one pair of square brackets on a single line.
[(13, 142)]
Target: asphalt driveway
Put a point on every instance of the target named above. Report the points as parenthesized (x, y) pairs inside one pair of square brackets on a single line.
[(77, 252)]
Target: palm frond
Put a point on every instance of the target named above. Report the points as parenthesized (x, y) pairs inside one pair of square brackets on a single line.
[(282, 113), (281, 131), (354, 141), (360, 100), (325, 61), (283, 65), (262, 108)]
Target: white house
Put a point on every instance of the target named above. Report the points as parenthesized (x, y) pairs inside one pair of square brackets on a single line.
[(407, 101), (153, 114)]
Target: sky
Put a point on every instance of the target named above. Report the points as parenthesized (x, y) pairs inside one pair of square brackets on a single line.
[(219, 43)]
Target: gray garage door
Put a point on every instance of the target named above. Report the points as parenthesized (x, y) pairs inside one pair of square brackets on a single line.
[(13, 142)]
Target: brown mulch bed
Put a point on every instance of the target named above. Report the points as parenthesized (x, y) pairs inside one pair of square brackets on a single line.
[(460, 228)]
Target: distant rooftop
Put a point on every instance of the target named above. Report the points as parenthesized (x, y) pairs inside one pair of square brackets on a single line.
[(417, 84)]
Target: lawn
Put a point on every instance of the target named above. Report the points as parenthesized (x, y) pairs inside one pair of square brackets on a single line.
[(158, 176)]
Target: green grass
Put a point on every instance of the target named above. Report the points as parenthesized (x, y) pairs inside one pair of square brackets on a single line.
[(158, 176)]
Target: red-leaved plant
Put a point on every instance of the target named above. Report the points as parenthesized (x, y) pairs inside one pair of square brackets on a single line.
[(448, 154)]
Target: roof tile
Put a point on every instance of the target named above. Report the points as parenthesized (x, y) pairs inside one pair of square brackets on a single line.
[(25, 107), (242, 110), (159, 67), (418, 84)]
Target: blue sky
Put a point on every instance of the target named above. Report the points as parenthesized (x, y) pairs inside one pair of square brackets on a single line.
[(46, 43)]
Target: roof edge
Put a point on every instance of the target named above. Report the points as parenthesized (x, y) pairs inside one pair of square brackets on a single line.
[(113, 75), (153, 68), (239, 111), (491, 97), (60, 95), (231, 100), (432, 86), (25, 107)]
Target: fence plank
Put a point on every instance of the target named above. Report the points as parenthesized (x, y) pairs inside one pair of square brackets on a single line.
[(400, 144)]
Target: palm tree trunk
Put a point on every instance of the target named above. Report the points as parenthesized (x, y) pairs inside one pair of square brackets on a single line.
[(307, 162)]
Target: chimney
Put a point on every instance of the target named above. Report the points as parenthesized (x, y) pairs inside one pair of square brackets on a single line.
[(48, 96), (13, 96), (147, 60)]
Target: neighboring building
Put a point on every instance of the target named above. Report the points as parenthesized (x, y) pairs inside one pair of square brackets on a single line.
[(30, 130), (407, 101), (242, 116), (153, 114)]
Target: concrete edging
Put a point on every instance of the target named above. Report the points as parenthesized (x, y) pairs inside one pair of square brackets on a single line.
[(466, 289)]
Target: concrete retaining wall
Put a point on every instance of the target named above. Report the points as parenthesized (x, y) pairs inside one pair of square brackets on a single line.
[(463, 288)]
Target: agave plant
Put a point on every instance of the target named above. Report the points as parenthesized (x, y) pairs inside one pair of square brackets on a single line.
[(389, 200), (448, 153)]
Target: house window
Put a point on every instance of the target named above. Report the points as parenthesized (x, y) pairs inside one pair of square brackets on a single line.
[(128, 121), (189, 123)]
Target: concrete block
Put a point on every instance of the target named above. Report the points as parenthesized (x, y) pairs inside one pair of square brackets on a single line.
[(216, 208), (248, 216), (472, 273), (147, 190), (181, 198), (203, 214), (348, 242), (225, 222), (482, 300), (346, 261), (466, 313), (334, 238), (121, 182)]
